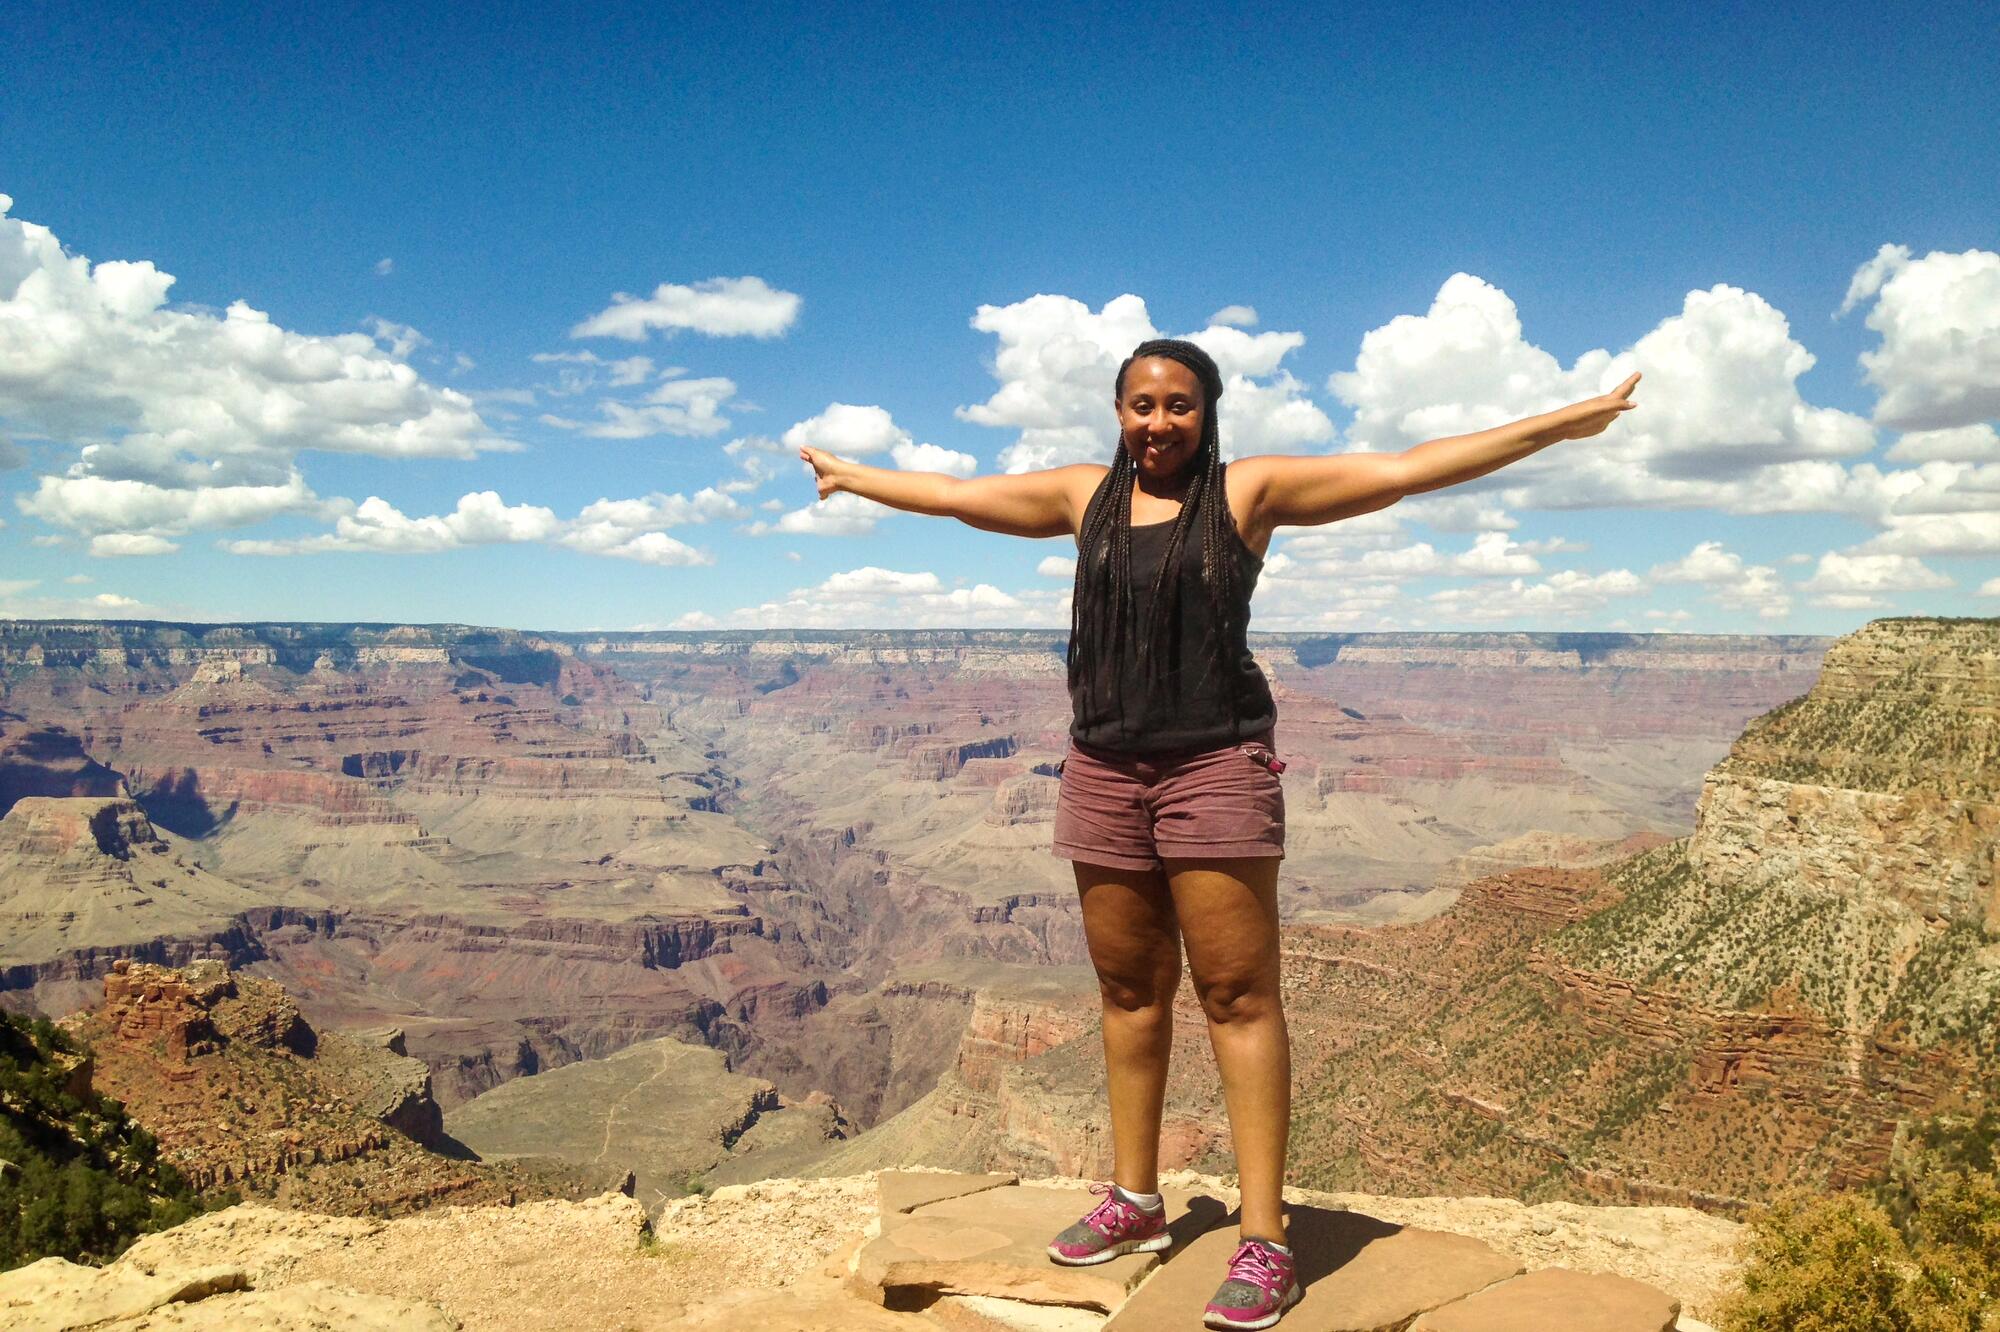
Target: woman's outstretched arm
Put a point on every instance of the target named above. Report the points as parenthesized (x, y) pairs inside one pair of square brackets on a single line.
[(1029, 504), (1291, 491)]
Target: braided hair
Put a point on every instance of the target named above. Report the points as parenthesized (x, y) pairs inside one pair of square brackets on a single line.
[(1104, 553)]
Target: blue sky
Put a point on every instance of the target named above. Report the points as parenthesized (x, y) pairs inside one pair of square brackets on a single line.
[(1422, 218)]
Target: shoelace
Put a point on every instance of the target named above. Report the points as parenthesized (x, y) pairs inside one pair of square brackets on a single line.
[(1113, 1214), (1256, 1266)]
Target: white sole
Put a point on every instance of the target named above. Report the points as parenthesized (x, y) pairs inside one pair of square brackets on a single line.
[(1153, 1245), (1224, 1325)]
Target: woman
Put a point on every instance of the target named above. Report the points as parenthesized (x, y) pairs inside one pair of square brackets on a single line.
[(1170, 806)]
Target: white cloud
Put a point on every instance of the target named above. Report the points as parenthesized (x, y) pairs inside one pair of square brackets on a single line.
[(849, 430), (1564, 598), (384, 267), (1456, 513), (1234, 316), (1972, 443), (873, 597), (1845, 575), (695, 620), (481, 518), (399, 340), (97, 506), (188, 399), (1057, 566), (1058, 359), (1731, 584), (933, 458), (720, 307), (687, 407), (1937, 534), (580, 371), (114, 545), (854, 431), (632, 529), (1990, 588), (626, 529), (1939, 317), (843, 514), (1720, 424), (113, 601)]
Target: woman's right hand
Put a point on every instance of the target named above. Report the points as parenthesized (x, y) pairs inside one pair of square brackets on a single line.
[(826, 468)]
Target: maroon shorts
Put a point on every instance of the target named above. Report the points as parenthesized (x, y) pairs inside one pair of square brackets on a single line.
[(1132, 812)]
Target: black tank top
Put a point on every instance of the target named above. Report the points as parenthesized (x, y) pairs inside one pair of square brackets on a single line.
[(1188, 707)]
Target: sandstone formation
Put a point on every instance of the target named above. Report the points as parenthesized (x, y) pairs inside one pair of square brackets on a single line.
[(242, 1093), (792, 1255)]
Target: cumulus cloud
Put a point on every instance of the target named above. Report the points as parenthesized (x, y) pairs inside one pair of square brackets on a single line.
[(1730, 583), (627, 529), (92, 351), (1973, 443), (720, 307), (836, 515), (1721, 422), (1936, 534), (632, 529), (117, 545), (481, 518), (1058, 358), (384, 267), (1856, 582), (848, 429), (1234, 316), (873, 597), (1558, 602), (1057, 566), (1939, 316), (99, 506), (857, 431)]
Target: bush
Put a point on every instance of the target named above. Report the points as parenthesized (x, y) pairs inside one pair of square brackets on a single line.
[(85, 1181), (1924, 1256)]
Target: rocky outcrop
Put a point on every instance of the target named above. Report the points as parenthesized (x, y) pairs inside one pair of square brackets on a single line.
[(242, 1092), (1885, 779), (836, 1256), (48, 761)]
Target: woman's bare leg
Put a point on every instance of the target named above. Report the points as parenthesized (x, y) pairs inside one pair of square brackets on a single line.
[(1228, 911), (1128, 921)]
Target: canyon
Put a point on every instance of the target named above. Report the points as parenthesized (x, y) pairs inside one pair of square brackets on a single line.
[(817, 863)]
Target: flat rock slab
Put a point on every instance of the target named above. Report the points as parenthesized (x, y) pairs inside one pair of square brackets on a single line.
[(795, 1311), (54, 1295), (996, 1243), (907, 1190), (1556, 1297), (1359, 1274)]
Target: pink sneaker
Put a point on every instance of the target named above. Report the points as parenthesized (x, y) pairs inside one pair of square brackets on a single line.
[(1112, 1228), (1262, 1284)]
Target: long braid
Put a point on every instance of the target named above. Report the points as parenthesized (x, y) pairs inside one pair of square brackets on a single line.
[(1104, 557)]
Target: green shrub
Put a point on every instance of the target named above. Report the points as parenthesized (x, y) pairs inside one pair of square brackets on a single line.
[(1921, 1256), (84, 1180)]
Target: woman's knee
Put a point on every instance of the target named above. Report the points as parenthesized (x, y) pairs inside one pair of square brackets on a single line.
[(1139, 993), (1238, 1000)]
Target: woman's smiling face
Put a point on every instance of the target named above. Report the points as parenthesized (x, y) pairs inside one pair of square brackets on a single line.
[(1160, 411)]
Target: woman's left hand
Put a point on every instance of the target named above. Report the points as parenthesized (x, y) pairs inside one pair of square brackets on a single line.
[(1592, 415)]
